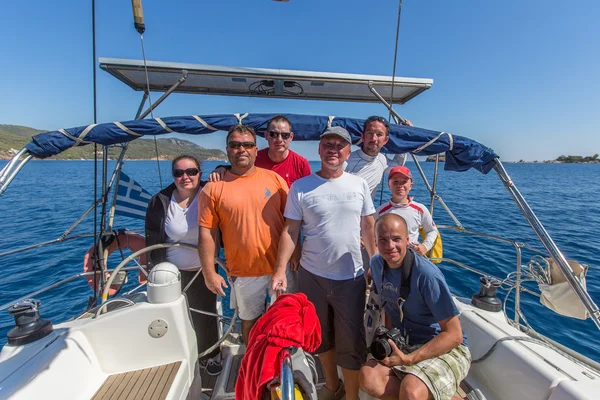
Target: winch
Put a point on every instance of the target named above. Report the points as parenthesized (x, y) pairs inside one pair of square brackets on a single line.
[(29, 326)]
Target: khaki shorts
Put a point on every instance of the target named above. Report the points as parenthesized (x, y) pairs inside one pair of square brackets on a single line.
[(250, 294), (442, 375)]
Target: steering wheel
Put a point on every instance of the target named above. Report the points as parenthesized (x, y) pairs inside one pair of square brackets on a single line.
[(219, 262)]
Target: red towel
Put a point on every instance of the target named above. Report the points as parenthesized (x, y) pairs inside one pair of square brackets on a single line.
[(290, 321)]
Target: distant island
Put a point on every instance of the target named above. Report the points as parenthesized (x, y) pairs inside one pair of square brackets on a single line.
[(13, 138), (560, 160)]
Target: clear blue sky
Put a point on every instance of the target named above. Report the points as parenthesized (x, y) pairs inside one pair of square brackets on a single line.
[(519, 76)]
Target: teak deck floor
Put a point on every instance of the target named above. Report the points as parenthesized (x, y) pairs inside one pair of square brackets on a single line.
[(150, 383)]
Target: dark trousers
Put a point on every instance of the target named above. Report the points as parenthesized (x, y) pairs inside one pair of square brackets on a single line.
[(200, 298)]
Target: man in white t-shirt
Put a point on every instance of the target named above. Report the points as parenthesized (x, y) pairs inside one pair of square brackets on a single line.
[(332, 208), (368, 162), (415, 214)]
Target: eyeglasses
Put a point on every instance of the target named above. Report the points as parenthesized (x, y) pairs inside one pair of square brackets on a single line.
[(377, 118), (178, 173), (245, 145), (284, 135)]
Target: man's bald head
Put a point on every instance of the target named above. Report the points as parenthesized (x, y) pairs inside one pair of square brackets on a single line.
[(390, 220), (392, 238)]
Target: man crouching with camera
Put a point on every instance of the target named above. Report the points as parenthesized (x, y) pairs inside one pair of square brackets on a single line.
[(421, 353)]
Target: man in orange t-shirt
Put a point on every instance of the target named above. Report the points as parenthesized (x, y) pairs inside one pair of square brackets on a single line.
[(247, 207)]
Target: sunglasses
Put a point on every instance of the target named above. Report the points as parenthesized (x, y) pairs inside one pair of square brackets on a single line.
[(245, 145), (178, 173), (376, 118), (284, 135)]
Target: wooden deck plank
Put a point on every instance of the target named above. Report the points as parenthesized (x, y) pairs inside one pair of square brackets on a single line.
[(158, 393), (135, 377), (105, 387), (123, 385), (141, 383), (169, 382), (150, 383), (145, 390), (113, 387), (154, 383), (166, 371), (161, 383)]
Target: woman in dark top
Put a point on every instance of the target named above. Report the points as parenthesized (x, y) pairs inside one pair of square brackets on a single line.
[(172, 217)]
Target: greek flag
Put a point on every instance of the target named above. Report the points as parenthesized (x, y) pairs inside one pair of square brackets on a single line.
[(132, 199)]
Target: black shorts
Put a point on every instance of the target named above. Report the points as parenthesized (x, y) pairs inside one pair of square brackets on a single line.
[(340, 307)]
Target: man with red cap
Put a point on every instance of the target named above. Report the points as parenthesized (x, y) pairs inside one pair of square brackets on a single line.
[(415, 214)]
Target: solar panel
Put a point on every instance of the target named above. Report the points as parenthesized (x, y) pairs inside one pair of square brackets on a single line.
[(262, 82)]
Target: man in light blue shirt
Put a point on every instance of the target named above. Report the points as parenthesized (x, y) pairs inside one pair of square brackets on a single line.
[(425, 314)]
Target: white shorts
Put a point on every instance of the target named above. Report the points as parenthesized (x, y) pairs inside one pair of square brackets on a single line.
[(250, 295)]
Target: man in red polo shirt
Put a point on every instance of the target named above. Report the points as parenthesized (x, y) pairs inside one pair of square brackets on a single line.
[(278, 157)]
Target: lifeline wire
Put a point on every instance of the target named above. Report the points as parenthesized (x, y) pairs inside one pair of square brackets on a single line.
[(395, 57), (95, 263), (393, 81)]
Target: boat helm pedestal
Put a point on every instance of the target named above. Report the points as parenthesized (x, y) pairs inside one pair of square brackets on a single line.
[(164, 283), (29, 326)]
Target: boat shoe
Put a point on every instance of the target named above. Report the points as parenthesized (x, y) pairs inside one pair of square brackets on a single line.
[(212, 366), (328, 394)]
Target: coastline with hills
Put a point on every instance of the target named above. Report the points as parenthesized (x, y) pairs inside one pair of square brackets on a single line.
[(13, 138)]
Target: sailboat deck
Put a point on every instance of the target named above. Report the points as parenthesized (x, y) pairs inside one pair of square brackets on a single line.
[(209, 381), (150, 383)]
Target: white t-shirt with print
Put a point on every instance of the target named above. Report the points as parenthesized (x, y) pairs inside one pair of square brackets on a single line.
[(330, 210), (371, 168), (416, 215)]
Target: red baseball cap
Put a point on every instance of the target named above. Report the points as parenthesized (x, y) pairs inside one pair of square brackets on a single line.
[(400, 170)]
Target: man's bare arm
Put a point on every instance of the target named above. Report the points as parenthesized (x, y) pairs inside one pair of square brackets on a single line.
[(367, 232), (287, 244), (207, 239)]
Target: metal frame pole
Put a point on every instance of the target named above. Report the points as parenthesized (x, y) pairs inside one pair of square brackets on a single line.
[(385, 103), (117, 175), (15, 159), (548, 243), (434, 185), (287, 375), (435, 195), (517, 283), (164, 96), (9, 176), (141, 107)]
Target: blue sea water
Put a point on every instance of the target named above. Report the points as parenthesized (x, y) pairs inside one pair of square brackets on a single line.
[(48, 196)]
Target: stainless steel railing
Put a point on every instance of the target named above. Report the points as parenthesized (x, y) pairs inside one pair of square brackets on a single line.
[(287, 376)]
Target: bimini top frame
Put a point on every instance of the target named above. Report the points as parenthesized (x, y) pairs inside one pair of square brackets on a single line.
[(263, 82)]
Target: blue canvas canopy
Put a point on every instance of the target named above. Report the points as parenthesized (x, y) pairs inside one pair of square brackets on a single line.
[(461, 153)]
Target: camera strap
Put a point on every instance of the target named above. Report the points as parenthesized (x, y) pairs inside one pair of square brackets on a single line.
[(404, 289)]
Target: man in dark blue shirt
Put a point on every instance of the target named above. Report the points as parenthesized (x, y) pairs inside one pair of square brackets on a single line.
[(428, 318)]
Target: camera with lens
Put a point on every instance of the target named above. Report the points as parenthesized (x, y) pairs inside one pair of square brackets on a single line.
[(380, 348)]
